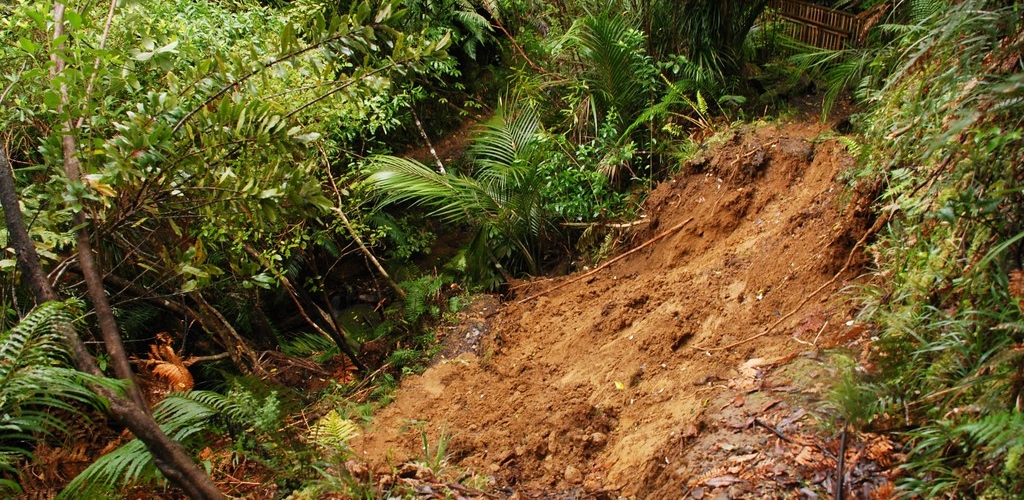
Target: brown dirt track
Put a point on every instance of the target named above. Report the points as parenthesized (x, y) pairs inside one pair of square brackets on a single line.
[(643, 379)]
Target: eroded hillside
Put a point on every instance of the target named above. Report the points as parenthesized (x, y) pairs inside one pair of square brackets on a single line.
[(644, 379)]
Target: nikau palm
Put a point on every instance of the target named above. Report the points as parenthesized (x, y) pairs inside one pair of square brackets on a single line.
[(500, 200)]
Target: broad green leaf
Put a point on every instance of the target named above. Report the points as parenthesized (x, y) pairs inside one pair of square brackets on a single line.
[(51, 99), (28, 45), (307, 138), (73, 18)]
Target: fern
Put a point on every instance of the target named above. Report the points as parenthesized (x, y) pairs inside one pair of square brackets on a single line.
[(307, 344), (997, 433), (404, 357), (136, 317), (422, 296), (183, 416), (35, 380), (333, 432)]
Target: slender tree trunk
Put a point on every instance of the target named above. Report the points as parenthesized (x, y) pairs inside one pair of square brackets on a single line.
[(333, 331), (170, 457), (216, 324), (90, 267)]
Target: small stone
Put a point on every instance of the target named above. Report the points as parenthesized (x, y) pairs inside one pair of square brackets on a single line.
[(520, 450), (494, 468), (598, 438), (573, 475)]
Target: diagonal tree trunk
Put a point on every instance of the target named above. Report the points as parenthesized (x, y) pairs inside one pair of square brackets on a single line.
[(170, 457), (86, 258)]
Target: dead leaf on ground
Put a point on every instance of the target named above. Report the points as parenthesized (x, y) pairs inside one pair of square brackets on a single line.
[(690, 430), (744, 458), (719, 481)]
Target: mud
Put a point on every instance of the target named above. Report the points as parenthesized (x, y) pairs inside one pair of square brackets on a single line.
[(644, 379)]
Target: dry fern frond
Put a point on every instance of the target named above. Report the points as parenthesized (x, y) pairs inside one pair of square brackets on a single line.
[(176, 375), (885, 491), (166, 365), (1017, 287), (721, 470)]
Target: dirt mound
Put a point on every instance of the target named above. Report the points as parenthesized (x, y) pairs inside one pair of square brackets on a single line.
[(604, 385)]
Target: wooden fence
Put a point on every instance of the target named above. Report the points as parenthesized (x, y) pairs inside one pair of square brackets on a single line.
[(825, 27)]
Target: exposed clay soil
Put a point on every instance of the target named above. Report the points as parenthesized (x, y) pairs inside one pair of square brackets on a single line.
[(647, 378)]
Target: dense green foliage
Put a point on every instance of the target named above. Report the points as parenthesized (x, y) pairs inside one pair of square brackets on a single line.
[(945, 153)]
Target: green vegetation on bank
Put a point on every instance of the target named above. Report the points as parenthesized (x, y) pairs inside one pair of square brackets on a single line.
[(943, 152)]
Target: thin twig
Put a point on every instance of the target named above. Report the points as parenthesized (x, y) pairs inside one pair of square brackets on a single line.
[(96, 63), (512, 40), (200, 359), (426, 139), (359, 241), (839, 465), (651, 241), (613, 225), (773, 430), (816, 337), (340, 339), (849, 259)]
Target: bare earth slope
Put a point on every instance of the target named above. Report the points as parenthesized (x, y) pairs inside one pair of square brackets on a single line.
[(605, 386)]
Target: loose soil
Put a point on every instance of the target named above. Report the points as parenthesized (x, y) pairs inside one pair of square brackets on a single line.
[(692, 368)]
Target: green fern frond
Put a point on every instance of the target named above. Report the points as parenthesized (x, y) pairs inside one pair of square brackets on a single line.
[(306, 344), (35, 379), (182, 416), (404, 357), (127, 465), (422, 295), (997, 432), (855, 147), (333, 432)]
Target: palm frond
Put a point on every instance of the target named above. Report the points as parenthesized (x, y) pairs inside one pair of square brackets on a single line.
[(612, 51), (501, 199), (402, 180)]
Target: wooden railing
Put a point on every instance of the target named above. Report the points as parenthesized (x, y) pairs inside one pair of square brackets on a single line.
[(825, 27)]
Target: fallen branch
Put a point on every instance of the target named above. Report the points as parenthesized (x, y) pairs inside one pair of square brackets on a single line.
[(202, 359), (613, 225), (773, 430), (849, 259), (651, 241)]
